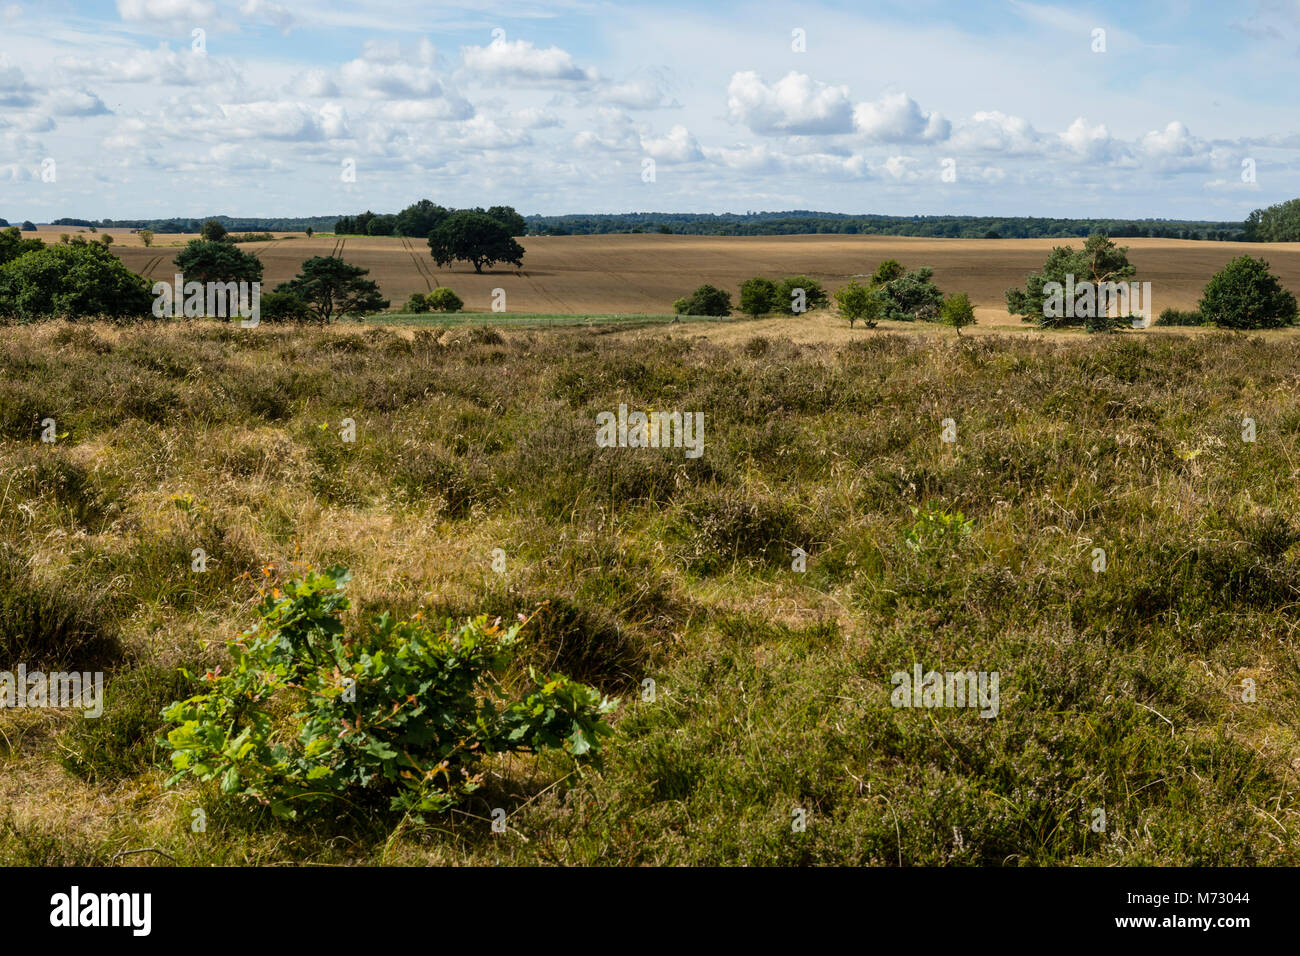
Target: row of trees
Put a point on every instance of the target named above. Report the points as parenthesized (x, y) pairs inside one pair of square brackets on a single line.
[(1245, 294), (892, 292), (420, 219)]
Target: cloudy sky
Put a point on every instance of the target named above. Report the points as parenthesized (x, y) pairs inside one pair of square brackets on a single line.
[(152, 108)]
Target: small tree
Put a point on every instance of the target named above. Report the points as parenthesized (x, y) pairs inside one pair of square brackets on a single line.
[(146, 236), (443, 299), (476, 238), (1245, 294), (706, 300), (310, 232), (214, 231), (1099, 261), (332, 288), (106, 239), (857, 302), (417, 303), (203, 261), (29, 226), (758, 296), (957, 311)]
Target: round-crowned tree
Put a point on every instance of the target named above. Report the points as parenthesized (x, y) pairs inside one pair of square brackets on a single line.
[(1245, 294)]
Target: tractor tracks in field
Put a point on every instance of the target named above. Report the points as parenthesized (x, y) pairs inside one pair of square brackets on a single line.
[(421, 266), (152, 264)]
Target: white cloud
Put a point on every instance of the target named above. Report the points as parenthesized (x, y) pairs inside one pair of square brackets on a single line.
[(161, 66), (794, 104), (520, 60), (315, 83), (270, 12), (1093, 143), (14, 88), (679, 146), (996, 132), (897, 118), (634, 95), (380, 80), (273, 120), (75, 103), (483, 133), (166, 12), (534, 117)]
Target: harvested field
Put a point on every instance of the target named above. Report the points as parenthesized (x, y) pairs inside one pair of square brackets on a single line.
[(645, 273)]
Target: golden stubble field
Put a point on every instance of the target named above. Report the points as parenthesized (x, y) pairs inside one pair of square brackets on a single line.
[(645, 273)]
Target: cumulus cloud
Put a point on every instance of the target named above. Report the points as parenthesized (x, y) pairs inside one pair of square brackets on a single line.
[(1093, 143), (794, 104), (274, 120), (313, 83), (161, 66), (166, 13), (679, 146), (997, 132), (14, 88), (484, 133), (520, 60), (534, 117), (897, 118), (634, 95), (75, 103)]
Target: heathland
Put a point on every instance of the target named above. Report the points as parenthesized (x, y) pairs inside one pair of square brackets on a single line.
[(1148, 710)]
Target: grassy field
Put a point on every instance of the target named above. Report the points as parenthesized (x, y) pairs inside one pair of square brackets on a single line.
[(644, 274), (1121, 690)]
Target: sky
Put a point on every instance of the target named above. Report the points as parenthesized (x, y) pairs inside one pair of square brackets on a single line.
[(1135, 109)]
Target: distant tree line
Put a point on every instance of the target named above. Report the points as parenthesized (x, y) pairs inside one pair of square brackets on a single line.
[(804, 221), (234, 224)]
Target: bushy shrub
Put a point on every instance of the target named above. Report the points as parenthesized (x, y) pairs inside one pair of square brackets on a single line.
[(706, 300), (76, 281), (1180, 317), (1245, 294), (417, 303), (758, 296), (443, 299), (912, 296), (1104, 323), (284, 306), (788, 296), (419, 706)]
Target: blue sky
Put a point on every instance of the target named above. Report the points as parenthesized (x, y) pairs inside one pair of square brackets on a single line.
[(119, 109)]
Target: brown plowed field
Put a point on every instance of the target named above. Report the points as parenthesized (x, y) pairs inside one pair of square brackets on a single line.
[(645, 273)]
